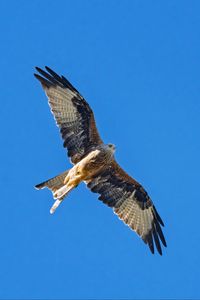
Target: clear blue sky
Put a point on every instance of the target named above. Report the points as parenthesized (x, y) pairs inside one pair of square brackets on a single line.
[(137, 63)]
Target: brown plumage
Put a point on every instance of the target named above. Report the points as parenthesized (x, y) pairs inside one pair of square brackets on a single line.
[(94, 162)]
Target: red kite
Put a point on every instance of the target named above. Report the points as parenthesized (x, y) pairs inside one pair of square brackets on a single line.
[(94, 163)]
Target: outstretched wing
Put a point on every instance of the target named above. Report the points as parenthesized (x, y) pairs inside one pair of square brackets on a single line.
[(130, 202), (72, 113)]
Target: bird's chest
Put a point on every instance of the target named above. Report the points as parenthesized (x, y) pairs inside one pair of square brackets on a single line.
[(93, 162)]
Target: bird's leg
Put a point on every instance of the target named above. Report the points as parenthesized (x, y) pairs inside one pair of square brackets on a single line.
[(62, 192), (55, 205), (67, 178), (71, 181), (74, 181), (59, 196), (73, 176)]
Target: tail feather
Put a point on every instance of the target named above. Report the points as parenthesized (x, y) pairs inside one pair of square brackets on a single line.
[(58, 188), (62, 192), (54, 183)]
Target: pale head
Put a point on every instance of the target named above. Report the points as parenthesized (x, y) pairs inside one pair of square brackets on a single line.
[(108, 147), (111, 147)]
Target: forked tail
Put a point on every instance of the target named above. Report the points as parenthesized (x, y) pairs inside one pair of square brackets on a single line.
[(59, 190), (54, 183)]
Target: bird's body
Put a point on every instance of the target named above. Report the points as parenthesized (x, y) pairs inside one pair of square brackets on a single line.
[(94, 163)]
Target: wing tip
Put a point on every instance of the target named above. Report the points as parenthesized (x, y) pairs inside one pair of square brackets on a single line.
[(48, 69), (149, 241), (157, 216), (154, 237), (47, 79), (45, 83), (51, 78)]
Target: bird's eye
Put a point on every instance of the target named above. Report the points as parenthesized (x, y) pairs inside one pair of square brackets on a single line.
[(110, 145)]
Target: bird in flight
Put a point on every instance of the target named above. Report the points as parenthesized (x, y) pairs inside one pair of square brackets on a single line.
[(94, 163)]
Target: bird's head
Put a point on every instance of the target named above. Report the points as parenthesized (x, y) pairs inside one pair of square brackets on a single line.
[(111, 147)]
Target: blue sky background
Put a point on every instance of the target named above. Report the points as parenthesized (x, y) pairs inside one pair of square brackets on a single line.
[(137, 63)]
